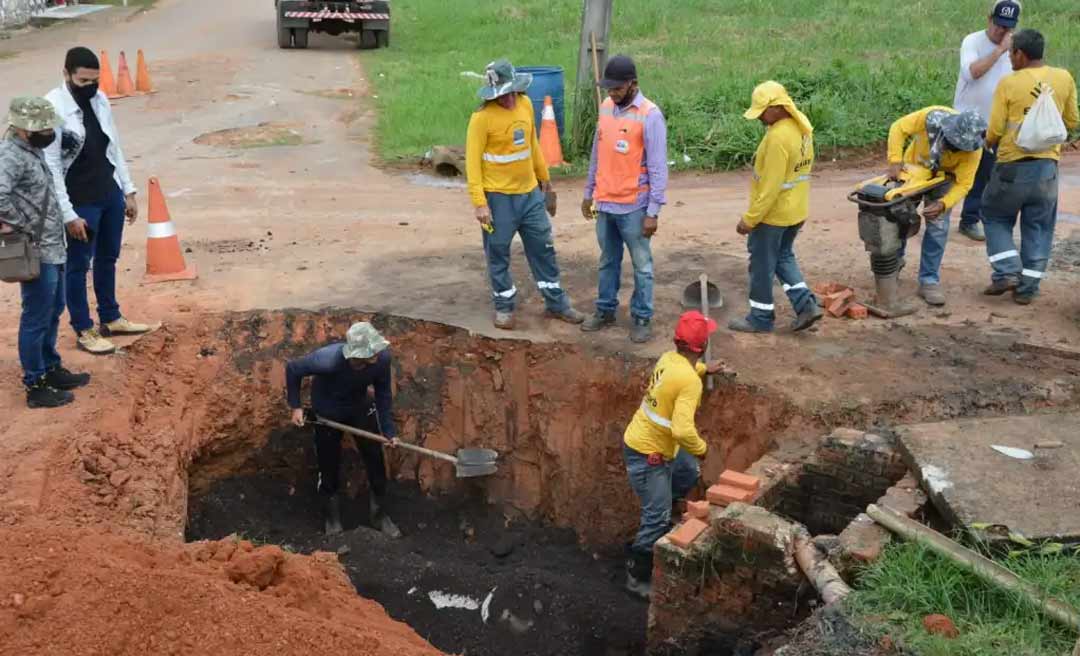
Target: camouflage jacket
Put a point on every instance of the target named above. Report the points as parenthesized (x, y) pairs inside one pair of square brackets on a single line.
[(27, 198)]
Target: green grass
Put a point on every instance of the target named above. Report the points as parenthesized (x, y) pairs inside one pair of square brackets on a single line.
[(853, 65), (910, 582)]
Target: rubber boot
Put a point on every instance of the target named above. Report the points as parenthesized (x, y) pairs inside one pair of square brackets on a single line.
[(639, 574), (332, 515), (888, 304), (380, 520)]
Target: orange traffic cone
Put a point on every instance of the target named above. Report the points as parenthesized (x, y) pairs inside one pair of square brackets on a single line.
[(106, 82), (549, 136), (124, 85), (142, 75), (164, 261)]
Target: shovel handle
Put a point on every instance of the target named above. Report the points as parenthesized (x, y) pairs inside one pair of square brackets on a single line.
[(709, 383), (379, 438)]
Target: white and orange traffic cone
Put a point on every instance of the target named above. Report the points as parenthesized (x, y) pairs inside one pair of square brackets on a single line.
[(164, 260), (549, 136)]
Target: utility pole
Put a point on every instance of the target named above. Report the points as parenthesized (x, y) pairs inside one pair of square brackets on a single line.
[(595, 28)]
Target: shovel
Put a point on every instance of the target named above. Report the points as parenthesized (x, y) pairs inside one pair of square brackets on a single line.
[(468, 462)]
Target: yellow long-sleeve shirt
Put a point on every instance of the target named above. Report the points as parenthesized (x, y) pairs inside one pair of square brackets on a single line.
[(961, 165), (1013, 98), (665, 420), (502, 153), (780, 193)]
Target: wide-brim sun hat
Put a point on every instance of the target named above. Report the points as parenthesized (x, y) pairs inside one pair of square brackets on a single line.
[(363, 342), (501, 79)]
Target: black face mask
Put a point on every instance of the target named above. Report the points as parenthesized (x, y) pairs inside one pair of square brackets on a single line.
[(628, 98), (83, 94), (41, 139)]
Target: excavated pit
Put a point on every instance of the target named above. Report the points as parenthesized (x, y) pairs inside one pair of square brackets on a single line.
[(526, 561), (199, 446)]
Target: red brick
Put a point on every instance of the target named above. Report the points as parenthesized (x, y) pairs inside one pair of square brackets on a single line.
[(838, 304), (722, 495), (685, 534), (736, 479), (698, 509), (827, 288), (858, 311)]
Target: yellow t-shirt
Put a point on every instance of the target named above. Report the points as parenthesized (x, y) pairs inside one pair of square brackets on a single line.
[(502, 153), (665, 420), (780, 193), (961, 165), (1015, 95)]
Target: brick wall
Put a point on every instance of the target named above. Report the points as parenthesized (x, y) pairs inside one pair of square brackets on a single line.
[(849, 470)]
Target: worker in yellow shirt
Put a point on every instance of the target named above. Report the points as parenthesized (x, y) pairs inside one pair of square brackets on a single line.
[(1024, 182), (779, 205), (662, 446), (509, 185), (940, 139)]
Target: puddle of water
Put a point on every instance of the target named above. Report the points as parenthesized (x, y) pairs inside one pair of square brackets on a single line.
[(427, 180)]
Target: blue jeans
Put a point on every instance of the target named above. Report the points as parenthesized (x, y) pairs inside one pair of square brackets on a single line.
[(42, 307), (973, 201), (772, 255), (1030, 189), (105, 223), (526, 215), (656, 486), (612, 231), (935, 237)]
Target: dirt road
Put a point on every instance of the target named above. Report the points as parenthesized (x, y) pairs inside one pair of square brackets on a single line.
[(315, 223)]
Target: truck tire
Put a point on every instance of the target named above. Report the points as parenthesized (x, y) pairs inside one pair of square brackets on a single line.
[(368, 40), (300, 38), (382, 39), (284, 34)]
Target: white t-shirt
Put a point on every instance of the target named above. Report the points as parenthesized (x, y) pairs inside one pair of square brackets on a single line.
[(979, 94)]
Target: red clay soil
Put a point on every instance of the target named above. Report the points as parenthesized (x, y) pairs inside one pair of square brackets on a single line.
[(85, 591)]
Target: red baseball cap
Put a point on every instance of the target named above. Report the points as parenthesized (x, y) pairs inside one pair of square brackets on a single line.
[(693, 330)]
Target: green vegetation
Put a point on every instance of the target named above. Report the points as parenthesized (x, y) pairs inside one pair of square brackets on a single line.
[(853, 65), (910, 582)]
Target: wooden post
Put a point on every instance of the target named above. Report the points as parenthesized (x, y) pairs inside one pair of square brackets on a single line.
[(595, 23)]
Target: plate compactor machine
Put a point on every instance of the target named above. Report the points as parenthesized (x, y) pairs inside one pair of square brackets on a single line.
[(888, 215)]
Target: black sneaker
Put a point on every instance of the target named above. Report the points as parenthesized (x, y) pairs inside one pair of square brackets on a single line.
[(62, 379), (41, 395), (641, 332), (598, 321)]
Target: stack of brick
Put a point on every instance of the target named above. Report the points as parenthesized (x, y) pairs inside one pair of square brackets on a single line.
[(732, 486), (741, 573), (839, 301)]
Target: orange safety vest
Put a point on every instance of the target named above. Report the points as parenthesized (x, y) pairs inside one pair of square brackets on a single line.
[(620, 153)]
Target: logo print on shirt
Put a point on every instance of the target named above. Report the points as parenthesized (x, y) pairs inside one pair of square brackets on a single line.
[(622, 146), (519, 137)]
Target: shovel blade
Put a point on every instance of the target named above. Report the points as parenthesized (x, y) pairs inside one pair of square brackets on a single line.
[(691, 297), (476, 462)]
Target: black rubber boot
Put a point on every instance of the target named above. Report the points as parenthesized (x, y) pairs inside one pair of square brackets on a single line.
[(62, 379), (332, 515), (639, 574), (42, 395)]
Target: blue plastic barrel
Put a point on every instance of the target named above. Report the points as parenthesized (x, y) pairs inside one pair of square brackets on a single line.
[(547, 81)]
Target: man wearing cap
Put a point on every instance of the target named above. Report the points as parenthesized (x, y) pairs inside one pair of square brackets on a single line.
[(343, 373), (984, 61), (28, 205), (509, 185), (1024, 182), (779, 205), (937, 138), (661, 446), (96, 194), (626, 187)]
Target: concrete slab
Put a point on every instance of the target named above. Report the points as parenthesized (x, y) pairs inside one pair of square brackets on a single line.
[(969, 482)]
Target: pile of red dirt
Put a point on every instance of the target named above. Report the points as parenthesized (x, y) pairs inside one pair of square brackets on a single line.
[(81, 591)]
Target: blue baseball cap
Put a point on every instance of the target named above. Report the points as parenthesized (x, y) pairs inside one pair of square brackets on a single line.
[(1006, 13)]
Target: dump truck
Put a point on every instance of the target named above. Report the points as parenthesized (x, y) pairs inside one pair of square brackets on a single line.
[(297, 18)]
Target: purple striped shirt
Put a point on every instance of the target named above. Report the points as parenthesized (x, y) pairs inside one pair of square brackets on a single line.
[(656, 175)]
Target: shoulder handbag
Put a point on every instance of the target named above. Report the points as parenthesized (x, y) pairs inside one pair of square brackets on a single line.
[(20, 258)]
